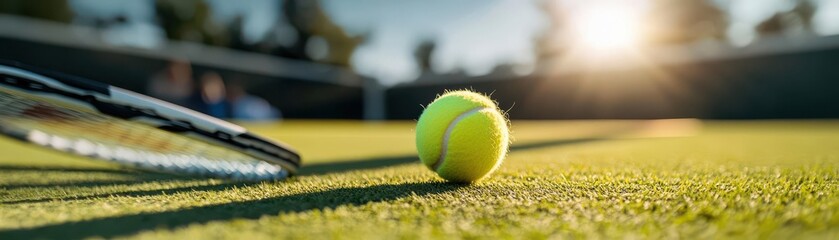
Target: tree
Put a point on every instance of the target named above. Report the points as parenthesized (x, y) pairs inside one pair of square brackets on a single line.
[(189, 20), (54, 10), (549, 43), (423, 54), (310, 21), (684, 21), (798, 18)]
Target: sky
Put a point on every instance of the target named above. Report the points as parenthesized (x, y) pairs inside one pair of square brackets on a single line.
[(471, 35), (745, 14)]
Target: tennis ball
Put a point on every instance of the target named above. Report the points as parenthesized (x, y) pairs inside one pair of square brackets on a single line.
[(462, 136)]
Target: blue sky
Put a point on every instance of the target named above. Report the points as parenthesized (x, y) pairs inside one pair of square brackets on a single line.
[(473, 35)]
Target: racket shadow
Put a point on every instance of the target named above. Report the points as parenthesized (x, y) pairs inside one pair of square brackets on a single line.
[(61, 169), (373, 163), (357, 164), (127, 225), (315, 169), (76, 184), (66, 177), (136, 173), (137, 193), (556, 143)]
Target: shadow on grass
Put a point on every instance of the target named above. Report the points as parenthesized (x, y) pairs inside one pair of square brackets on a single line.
[(314, 169), (137, 193), (54, 179), (72, 184), (143, 177), (138, 174), (111, 227), (62, 169), (360, 164), (367, 163), (555, 143)]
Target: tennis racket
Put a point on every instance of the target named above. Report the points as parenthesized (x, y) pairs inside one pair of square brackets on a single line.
[(100, 121)]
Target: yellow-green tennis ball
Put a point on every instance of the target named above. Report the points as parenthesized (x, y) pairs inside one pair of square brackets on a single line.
[(462, 136)]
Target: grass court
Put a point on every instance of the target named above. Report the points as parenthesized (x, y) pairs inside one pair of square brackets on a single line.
[(363, 180)]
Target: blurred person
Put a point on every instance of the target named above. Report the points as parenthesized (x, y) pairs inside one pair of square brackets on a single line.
[(211, 97), (244, 106), (174, 84)]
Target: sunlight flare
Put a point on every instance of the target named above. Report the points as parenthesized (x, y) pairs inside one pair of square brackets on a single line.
[(606, 26)]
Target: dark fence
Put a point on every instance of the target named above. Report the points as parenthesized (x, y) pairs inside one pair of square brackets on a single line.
[(296, 98), (802, 84)]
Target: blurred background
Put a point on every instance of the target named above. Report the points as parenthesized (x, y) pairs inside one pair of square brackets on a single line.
[(380, 59)]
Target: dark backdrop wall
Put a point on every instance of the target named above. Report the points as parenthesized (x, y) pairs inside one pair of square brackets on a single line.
[(802, 84), (794, 84), (296, 98)]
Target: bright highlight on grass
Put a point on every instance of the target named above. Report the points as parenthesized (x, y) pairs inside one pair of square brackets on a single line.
[(606, 26)]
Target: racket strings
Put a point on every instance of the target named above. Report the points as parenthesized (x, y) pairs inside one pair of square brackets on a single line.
[(86, 132)]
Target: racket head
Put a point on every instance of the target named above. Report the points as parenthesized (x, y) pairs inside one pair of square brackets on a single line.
[(100, 121)]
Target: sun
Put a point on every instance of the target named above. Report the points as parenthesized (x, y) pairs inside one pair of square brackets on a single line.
[(605, 26)]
